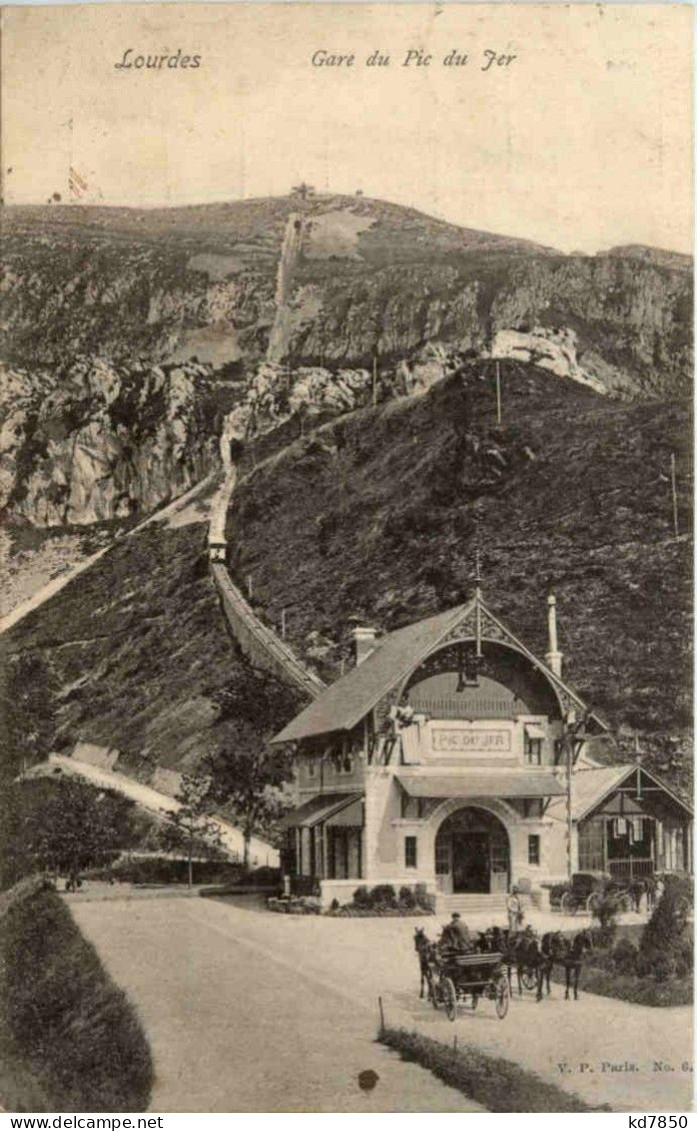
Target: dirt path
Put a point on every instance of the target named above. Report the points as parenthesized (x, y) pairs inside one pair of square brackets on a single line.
[(233, 1029), (208, 961), (261, 854)]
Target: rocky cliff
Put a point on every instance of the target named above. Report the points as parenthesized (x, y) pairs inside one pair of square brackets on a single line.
[(353, 277), (98, 440), (126, 333)]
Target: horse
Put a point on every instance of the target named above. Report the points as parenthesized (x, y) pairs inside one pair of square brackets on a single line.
[(523, 952), (426, 951), (553, 947), (572, 961)]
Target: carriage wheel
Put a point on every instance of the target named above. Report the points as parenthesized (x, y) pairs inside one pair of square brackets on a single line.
[(568, 904), (449, 998), (528, 979), (503, 997)]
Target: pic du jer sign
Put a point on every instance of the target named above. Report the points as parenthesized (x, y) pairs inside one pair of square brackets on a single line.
[(454, 741)]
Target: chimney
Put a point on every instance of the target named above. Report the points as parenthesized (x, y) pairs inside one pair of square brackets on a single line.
[(363, 643), (554, 656)]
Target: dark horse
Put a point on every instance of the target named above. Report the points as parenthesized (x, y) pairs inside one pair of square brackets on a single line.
[(533, 959), (572, 960), (426, 951)]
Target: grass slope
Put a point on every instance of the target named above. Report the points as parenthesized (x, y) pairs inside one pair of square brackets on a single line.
[(130, 654), (375, 516), (69, 1038), (497, 1084)]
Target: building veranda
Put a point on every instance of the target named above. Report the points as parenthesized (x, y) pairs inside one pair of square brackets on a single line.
[(451, 757)]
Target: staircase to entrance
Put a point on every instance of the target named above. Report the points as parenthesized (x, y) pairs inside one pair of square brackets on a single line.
[(476, 903)]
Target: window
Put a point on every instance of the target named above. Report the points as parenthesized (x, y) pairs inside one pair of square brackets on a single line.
[(410, 851), (533, 751), (442, 856), (311, 767), (591, 846), (533, 849), (345, 764)]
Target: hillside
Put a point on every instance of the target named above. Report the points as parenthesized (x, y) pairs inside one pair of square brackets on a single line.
[(129, 655), (366, 277), (129, 335), (375, 516)]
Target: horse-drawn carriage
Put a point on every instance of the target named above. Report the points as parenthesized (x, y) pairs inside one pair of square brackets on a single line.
[(587, 890), (471, 976), (454, 978)]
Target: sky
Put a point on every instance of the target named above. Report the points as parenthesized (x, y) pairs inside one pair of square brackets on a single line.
[(582, 141)]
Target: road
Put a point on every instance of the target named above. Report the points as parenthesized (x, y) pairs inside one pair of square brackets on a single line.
[(261, 854), (248, 1011), (233, 1029)]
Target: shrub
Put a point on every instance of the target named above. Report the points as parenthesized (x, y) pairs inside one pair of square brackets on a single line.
[(665, 929), (334, 905), (383, 895), (685, 955), (361, 897), (69, 1028), (625, 956), (664, 968), (605, 911), (407, 897), (165, 870)]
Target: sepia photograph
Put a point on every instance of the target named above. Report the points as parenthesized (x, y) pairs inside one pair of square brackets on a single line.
[(346, 601)]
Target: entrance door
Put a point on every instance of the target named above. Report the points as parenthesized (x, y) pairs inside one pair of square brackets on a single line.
[(471, 862)]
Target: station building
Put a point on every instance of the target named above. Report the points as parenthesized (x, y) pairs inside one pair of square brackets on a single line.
[(453, 758)]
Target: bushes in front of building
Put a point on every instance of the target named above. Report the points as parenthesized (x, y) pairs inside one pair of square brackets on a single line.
[(295, 904), (657, 972), (69, 1038), (383, 900)]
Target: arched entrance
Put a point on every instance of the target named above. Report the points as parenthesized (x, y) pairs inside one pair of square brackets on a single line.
[(472, 853)]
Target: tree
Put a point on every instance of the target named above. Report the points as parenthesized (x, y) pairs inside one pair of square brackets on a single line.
[(244, 781), (189, 828), (27, 713), (247, 773), (63, 825)]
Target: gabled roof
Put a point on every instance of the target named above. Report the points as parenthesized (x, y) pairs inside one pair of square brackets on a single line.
[(347, 701), (590, 787), (342, 705)]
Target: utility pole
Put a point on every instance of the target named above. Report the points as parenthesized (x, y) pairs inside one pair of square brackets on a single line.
[(674, 490), (569, 739), (375, 379), (498, 392)]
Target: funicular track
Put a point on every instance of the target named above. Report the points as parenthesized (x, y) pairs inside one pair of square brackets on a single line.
[(256, 640)]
